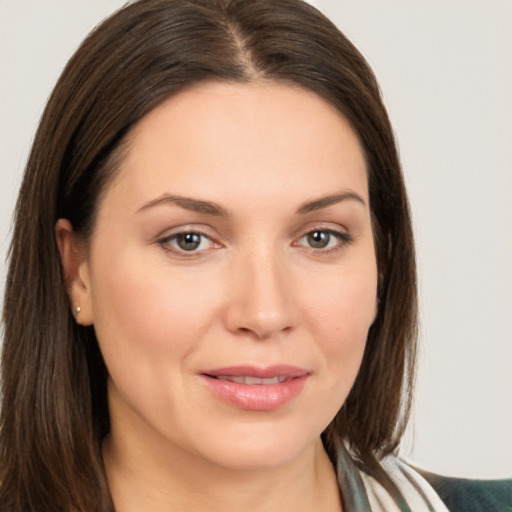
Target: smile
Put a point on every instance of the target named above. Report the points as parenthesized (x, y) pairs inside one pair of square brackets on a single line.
[(256, 389), (254, 381)]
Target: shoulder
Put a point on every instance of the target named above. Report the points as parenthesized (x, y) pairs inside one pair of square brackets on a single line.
[(416, 490), (467, 495)]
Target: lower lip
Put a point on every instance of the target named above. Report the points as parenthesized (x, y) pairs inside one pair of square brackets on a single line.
[(258, 397)]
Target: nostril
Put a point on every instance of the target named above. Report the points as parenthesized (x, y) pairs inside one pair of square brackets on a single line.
[(262, 332)]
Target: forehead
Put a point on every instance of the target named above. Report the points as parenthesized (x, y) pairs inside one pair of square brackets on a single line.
[(259, 139)]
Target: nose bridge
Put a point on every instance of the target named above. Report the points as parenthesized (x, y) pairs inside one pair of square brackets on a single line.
[(262, 301)]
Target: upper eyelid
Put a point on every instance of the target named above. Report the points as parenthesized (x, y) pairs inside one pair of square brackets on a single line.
[(206, 231), (170, 236), (331, 227), (190, 228), (335, 232)]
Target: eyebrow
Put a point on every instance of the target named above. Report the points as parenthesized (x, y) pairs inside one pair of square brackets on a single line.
[(324, 202), (187, 203), (211, 208)]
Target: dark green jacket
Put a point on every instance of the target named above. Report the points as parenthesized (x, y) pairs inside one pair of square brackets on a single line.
[(465, 495)]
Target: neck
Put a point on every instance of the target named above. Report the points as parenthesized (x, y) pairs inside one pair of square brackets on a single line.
[(176, 480)]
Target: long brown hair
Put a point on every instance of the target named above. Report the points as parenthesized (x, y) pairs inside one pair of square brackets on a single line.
[(55, 415)]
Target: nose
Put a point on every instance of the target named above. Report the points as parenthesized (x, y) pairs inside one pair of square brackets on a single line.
[(262, 300)]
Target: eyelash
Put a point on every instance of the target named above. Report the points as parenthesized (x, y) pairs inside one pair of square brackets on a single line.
[(343, 239), (169, 243)]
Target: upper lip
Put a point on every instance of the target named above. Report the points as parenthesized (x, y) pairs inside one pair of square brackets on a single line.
[(280, 370)]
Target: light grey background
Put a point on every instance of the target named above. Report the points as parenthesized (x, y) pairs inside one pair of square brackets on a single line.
[(445, 67)]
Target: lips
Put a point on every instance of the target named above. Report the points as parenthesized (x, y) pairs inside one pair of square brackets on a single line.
[(256, 389), (253, 381)]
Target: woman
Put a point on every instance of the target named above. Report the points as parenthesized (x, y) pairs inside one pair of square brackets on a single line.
[(211, 299)]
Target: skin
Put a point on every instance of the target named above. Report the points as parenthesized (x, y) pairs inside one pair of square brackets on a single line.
[(255, 291)]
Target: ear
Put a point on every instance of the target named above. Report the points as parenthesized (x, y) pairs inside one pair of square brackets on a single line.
[(76, 271)]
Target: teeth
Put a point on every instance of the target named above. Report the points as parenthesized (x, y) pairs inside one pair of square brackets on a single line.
[(253, 381)]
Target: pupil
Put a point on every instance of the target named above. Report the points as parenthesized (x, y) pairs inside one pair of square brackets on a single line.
[(318, 239), (189, 241)]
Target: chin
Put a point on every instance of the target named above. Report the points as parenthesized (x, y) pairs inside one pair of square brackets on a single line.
[(262, 451)]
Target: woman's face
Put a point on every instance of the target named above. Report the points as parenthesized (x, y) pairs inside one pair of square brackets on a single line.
[(231, 276)]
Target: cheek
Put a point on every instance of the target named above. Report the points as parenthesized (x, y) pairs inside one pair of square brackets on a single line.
[(150, 326), (341, 313), (145, 315), (344, 302)]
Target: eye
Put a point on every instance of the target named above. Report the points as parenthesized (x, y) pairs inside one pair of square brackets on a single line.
[(324, 239), (319, 239), (187, 242)]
